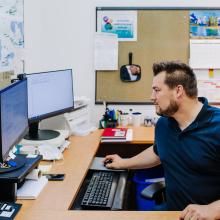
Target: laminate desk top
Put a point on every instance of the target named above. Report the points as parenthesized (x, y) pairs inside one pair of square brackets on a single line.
[(56, 198)]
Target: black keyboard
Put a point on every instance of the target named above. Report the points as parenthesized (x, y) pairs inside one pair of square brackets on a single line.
[(101, 190), (8, 210)]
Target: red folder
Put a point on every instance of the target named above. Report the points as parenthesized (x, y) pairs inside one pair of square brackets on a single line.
[(114, 133)]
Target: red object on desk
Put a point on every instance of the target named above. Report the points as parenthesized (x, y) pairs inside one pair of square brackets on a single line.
[(114, 133)]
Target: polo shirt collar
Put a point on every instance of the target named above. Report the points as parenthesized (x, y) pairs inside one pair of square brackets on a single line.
[(204, 117)]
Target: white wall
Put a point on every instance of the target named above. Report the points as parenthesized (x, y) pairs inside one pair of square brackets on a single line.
[(60, 34)]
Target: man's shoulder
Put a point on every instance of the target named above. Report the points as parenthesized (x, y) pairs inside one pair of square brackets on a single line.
[(162, 121), (215, 112), (213, 109)]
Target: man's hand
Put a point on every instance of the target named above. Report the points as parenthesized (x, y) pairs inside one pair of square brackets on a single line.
[(199, 212), (143, 160), (116, 162)]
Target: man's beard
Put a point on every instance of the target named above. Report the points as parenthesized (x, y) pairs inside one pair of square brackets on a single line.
[(170, 110)]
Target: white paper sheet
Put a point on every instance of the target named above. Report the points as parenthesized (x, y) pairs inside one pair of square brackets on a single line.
[(205, 54), (106, 51)]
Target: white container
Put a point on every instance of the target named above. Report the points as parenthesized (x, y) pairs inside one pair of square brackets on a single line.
[(124, 119), (148, 122), (136, 119)]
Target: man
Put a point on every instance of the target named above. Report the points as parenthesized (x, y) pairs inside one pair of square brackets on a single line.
[(130, 73), (187, 143)]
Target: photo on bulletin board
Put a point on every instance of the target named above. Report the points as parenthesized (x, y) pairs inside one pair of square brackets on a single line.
[(204, 24), (122, 23)]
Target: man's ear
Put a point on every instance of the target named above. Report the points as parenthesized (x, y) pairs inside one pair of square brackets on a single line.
[(179, 91)]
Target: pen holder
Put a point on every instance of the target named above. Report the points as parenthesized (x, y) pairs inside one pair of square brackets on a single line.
[(111, 124), (108, 124)]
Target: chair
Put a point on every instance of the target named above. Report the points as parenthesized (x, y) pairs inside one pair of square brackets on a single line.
[(156, 192)]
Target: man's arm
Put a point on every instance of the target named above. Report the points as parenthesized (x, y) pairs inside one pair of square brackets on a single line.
[(145, 159), (204, 212)]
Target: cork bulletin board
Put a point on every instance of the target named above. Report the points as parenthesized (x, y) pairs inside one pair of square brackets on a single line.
[(162, 34)]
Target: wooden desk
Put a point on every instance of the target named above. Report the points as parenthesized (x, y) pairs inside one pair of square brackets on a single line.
[(56, 198)]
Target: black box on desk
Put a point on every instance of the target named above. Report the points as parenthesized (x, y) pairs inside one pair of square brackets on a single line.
[(10, 180)]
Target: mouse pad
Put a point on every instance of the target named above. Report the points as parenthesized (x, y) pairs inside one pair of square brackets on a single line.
[(97, 164)]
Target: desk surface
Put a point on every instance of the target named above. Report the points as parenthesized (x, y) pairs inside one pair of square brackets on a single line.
[(56, 198)]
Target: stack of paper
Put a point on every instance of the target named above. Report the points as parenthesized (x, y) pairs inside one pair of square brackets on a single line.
[(32, 188)]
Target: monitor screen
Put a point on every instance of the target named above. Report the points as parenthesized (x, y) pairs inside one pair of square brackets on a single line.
[(49, 94), (14, 116)]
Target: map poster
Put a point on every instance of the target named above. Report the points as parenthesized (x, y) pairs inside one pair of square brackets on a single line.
[(11, 32)]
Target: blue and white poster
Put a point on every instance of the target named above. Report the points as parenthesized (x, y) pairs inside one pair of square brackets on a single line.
[(204, 24), (122, 23), (11, 32)]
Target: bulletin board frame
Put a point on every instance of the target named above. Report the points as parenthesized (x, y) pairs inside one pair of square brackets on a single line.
[(163, 34)]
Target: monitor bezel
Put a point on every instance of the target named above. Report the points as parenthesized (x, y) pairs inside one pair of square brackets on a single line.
[(55, 113), (18, 139)]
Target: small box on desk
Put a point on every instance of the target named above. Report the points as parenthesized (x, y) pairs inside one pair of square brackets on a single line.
[(9, 181)]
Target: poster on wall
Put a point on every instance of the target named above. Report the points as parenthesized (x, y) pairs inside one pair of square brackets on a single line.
[(204, 24), (122, 23), (11, 32)]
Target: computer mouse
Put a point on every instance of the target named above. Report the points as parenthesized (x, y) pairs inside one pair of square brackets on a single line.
[(107, 162)]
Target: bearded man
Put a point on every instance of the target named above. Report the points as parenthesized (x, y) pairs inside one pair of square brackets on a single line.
[(187, 144)]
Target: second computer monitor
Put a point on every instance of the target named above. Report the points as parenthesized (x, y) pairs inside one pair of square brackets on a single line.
[(13, 117), (49, 94)]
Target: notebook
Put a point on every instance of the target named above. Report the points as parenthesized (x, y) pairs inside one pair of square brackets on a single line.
[(129, 137)]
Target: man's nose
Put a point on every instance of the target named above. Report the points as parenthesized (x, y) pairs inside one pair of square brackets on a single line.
[(152, 97)]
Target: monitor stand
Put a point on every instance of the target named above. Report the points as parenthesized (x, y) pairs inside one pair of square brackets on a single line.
[(56, 142), (36, 134), (43, 135), (37, 137)]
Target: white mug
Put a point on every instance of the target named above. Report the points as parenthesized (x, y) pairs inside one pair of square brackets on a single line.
[(124, 120), (136, 119)]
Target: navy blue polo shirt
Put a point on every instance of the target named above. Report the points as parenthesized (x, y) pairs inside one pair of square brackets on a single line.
[(190, 158)]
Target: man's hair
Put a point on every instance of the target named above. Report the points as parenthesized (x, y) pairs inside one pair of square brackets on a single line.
[(178, 73)]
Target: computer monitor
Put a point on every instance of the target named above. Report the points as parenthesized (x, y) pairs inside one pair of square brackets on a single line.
[(49, 94), (13, 116)]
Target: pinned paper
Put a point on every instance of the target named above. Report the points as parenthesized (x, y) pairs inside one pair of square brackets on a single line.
[(106, 51), (204, 54)]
